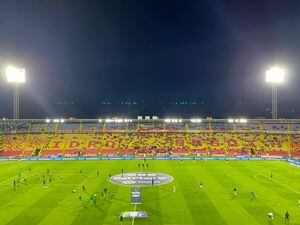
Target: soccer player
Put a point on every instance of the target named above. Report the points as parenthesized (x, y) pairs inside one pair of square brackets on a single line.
[(112, 196), (287, 217), (105, 191), (139, 165), (97, 173), (14, 184), (83, 188), (147, 165), (271, 176), (201, 185), (122, 171), (94, 199), (121, 219), (152, 182), (91, 197), (271, 215), (234, 191), (44, 182), (50, 179), (174, 189), (253, 194)]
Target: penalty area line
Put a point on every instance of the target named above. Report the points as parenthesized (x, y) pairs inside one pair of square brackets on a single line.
[(284, 185)]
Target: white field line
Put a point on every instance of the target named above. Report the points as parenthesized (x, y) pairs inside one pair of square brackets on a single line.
[(132, 223), (133, 217), (276, 181)]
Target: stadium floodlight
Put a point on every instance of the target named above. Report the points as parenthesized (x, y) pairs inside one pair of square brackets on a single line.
[(108, 120), (196, 120), (119, 120), (15, 76), (56, 120), (62, 120), (236, 120), (168, 120), (99, 120), (230, 120), (275, 76), (174, 120), (242, 120), (47, 120)]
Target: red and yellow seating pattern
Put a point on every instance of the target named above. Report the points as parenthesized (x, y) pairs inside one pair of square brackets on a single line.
[(49, 144)]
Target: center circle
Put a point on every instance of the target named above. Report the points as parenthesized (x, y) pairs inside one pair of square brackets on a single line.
[(141, 179)]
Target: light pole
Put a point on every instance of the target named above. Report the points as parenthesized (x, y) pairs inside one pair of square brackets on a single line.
[(275, 76), (15, 76)]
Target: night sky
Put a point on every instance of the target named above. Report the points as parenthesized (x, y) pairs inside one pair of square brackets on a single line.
[(80, 55)]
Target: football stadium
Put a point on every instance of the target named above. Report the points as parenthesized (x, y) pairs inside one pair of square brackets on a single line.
[(149, 171), (149, 112)]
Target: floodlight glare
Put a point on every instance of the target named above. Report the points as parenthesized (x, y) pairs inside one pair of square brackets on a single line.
[(230, 120), (119, 120), (167, 120), (196, 120), (275, 75), (15, 75), (108, 120), (242, 120)]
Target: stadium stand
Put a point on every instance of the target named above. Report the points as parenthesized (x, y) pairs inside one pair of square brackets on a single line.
[(272, 138)]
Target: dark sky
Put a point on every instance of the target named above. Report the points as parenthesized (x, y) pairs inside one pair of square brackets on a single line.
[(87, 52)]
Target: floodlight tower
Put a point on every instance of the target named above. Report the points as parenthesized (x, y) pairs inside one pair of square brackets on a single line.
[(274, 76), (15, 76)]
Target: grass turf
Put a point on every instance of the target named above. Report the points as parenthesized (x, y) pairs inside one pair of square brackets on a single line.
[(31, 203)]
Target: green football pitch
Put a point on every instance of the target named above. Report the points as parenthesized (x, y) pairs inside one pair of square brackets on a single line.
[(56, 203)]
